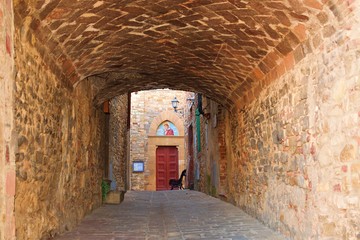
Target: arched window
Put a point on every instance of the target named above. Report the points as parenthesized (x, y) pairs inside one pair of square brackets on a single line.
[(167, 128)]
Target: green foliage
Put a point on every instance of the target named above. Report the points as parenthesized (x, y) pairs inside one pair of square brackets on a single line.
[(105, 188)]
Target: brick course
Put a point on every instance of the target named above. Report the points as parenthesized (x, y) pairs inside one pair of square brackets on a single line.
[(227, 43)]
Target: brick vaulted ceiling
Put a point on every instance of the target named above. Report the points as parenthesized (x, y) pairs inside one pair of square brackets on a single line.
[(218, 47)]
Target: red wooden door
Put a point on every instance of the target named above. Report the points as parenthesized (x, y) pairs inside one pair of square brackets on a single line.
[(167, 166)]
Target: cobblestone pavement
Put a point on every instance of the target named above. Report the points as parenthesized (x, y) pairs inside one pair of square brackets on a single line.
[(170, 215)]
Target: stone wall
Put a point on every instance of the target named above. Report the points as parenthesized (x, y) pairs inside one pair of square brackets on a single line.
[(295, 147), (59, 160), (209, 156), (145, 107), (210, 161), (292, 142), (7, 146), (119, 134)]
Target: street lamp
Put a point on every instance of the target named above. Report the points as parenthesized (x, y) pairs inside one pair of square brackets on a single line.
[(175, 103)]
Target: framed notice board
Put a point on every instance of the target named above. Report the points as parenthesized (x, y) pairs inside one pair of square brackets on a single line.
[(138, 166)]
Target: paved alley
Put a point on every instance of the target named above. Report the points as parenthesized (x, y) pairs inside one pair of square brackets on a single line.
[(169, 215)]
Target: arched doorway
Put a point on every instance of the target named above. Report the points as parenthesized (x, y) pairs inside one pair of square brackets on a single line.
[(167, 166), (166, 152)]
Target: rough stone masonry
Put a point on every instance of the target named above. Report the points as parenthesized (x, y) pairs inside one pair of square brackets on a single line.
[(60, 146), (294, 158), (286, 71), (7, 146), (118, 143), (60, 149)]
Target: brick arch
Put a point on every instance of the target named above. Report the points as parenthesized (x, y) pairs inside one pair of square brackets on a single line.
[(219, 48), (167, 116)]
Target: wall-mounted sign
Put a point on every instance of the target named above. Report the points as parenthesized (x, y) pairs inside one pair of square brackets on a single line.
[(138, 166)]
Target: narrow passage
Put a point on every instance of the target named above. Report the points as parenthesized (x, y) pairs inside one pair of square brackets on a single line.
[(170, 215)]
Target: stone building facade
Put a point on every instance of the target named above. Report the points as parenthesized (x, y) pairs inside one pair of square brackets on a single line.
[(149, 109), (205, 146)]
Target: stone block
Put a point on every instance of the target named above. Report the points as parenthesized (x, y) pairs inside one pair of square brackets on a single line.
[(340, 202), (10, 183), (355, 176), (300, 32), (114, 197), (278, 136), (348, 153), (339, 91), (325, 156), (328, 229), (353, 200), (323, 187)]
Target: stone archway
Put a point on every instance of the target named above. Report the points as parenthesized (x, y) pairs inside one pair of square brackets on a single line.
[(239, 53)]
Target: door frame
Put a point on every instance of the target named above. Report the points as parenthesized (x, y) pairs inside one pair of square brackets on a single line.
[(153, 143), (168, 177)]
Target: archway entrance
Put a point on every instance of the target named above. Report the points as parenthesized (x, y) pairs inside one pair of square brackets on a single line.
[(285, 71), (156, 138)]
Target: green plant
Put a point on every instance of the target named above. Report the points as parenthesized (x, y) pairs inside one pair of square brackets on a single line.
[(105, 188)]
